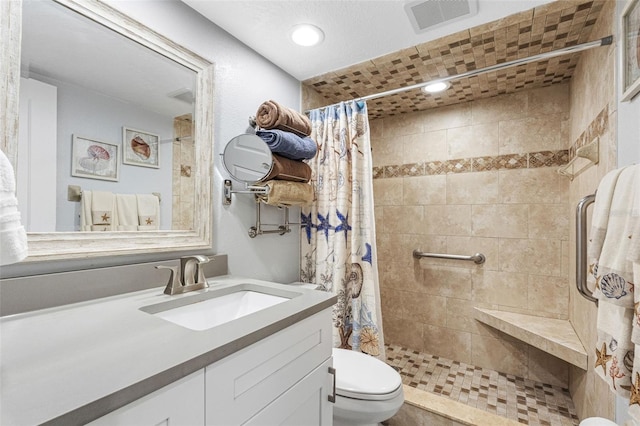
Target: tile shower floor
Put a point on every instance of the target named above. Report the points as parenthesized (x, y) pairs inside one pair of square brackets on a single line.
[(506, 395)]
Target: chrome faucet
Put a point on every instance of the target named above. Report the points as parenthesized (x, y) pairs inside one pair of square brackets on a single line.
[(189, 277)]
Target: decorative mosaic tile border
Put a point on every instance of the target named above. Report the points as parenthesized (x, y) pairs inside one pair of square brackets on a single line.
[(506, 395), (598, 127), (547, 27), (529, 160)]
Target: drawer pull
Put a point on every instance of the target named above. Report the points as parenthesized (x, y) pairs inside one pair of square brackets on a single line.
[(332, 397)]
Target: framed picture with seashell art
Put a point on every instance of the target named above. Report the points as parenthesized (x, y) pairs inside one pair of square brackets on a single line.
[(630, 46), (140, 148), (94, 159)]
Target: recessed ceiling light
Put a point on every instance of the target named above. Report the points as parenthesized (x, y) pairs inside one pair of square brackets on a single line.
[(436, 87), (306, 35)]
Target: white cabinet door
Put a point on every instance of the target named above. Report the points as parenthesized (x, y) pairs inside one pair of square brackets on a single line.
[(241, 385), (305, 404), (179, 404), (37, 148)]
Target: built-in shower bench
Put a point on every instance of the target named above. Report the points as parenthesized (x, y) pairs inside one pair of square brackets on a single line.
[(554, 336)]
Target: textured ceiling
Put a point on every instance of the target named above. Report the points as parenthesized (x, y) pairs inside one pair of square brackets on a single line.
[(545, 28), (355, 30)]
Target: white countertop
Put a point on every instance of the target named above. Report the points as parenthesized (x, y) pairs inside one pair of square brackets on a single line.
[(74, 363)]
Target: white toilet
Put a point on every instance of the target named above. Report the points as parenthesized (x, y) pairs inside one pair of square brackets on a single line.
[(368, 391)]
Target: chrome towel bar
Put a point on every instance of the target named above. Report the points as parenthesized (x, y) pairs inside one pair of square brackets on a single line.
[(478, 258), (581, 247)]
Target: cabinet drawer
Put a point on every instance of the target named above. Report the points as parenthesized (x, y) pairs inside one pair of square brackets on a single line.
[(240, 385), (306, 403), (180, 403)]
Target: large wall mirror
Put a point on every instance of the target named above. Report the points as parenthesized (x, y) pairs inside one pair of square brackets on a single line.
[(100, 109)]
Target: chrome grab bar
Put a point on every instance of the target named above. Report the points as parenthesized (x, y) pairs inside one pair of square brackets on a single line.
[(478, 258), (581, 247)]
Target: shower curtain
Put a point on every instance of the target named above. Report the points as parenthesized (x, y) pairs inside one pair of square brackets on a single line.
[(338, 231)]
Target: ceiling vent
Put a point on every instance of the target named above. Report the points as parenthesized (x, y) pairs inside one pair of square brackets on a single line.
[(184, 95), (428, 14)]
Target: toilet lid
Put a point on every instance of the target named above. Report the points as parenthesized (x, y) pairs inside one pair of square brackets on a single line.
[(362, 376)]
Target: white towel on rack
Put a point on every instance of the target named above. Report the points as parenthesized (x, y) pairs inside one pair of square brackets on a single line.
[(610, 268), (600, 217), (634, 257), (126, 212), (13, 237), (85, 211), (634, 254), (103, 211), (148, 212), (13, 243)]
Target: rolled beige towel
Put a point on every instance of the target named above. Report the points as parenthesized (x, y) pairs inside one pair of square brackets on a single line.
[(287, 193), (286, 169), (272, 115)]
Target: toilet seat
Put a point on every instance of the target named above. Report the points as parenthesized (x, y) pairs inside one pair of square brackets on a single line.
[(360, 376)]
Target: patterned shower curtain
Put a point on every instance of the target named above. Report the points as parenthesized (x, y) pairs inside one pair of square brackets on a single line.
[(338, 230)]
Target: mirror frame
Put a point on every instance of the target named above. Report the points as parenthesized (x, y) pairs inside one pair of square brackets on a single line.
[(45, 246)]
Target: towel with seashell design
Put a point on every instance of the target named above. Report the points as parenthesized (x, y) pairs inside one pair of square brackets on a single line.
[(611, 272)]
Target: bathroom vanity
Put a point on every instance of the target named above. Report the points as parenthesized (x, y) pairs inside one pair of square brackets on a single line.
[(116, 360)]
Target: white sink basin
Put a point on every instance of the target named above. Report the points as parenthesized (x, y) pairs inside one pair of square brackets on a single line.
[(218, 309)]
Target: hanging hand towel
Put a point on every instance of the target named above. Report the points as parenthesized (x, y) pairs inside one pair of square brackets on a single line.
[(289, 145), (102, 211), (127, 212), (285, 193), (85, 211), (285, 169), (634, 258), (272, 115), (600, 217), (612, 271), (13, 237), (148, 212)]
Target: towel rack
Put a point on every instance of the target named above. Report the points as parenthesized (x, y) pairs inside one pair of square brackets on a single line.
[(477, 258), (258, 229), (250, 189), (590, 152), (74, 193), (581, 247)]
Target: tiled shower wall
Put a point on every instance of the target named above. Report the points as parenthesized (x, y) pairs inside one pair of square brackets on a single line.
[(592, 101), (475, 177)]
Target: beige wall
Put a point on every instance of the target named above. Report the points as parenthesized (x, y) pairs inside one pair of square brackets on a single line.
[(475, 177), (593, 114), (183, 184)]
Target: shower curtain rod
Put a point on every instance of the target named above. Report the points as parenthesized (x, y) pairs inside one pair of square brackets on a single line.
[(605, 41)]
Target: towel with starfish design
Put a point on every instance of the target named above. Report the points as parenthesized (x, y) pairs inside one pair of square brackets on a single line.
[(148, 212), (102, 211), (612, 271)]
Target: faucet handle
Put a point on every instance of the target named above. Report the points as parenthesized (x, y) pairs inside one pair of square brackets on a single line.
[(197, 257), (174, 281), (192, 271)]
